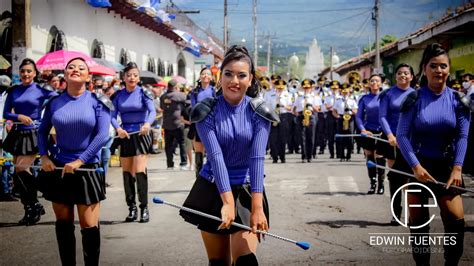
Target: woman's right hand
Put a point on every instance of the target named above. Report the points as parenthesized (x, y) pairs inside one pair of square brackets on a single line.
[(366, 132), (422, 175), (227, 215), (46, 164), (122, 133), (392, 140), (26, 120)]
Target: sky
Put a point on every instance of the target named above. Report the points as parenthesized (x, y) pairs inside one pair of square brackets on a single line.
[(344, 24)]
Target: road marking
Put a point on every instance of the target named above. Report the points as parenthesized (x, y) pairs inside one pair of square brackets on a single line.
[(340, 184), (293, 184)]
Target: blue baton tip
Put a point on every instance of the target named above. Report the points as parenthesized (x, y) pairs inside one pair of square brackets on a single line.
[(157, 200), (371, 164), (100, 170), (363, 134), (337, 135), (303, 245)]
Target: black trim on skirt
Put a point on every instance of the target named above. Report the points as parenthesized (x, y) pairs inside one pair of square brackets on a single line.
[(440, 169), (21, 142), (136, 145), (368, 143), (81, 187), (205, 197), (385, 149)]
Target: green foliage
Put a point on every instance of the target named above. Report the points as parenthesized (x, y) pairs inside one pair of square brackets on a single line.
[(386, 39)]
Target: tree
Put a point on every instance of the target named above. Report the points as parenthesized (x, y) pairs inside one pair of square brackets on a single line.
[(386, 39)]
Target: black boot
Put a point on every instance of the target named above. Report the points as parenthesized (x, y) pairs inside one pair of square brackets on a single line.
[(420, 251), (247, 260), (91, 245), (372, 171), (398, 213), (66, 242), (132, 214), (453, 253), (129, 187), (28, 194), (199, 159), (373, 185), (144, 215), (380, 176)]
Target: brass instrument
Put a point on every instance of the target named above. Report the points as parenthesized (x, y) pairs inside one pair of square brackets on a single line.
[(346, 117), (277, 109), (307, 112)]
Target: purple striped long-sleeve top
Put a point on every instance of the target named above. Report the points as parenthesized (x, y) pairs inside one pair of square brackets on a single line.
[(367, 117), (134, 108), (389, 108), (235, 138), (82, 127), (431, 124), (26, 100)]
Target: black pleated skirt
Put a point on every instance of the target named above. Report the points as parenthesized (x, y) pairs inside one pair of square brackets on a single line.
[(21, 142), (136, 145), (369, 143), (386, 150), (81, 187), (205, 197), (440, 169)]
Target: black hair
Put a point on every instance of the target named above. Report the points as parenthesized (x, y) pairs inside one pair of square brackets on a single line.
[(50, 77), (412, 72), (431, 51), (469, 75), (78, 58), (240, 53), (28, 61), (130, 66), (380, 75), (198, 82)]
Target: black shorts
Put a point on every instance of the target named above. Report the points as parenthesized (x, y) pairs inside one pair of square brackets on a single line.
[(136, 145), (81, 187), (193, 134), (205, 197), (440, 169), (21, 142), (385, 149)]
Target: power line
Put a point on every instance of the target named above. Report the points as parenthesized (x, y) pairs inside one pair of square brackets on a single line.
[(324, 25)]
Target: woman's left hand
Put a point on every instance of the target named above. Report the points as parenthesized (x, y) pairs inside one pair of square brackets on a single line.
[(258, 220), (455, 177), (145, 129), (70, 167)]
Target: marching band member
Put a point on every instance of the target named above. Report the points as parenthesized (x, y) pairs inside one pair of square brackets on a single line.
[(320, 135), (331, 120), (344, 110)]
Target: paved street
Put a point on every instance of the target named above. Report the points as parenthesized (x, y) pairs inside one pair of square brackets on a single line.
[(324, 203)]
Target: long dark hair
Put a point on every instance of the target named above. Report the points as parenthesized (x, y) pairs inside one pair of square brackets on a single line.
[(412, 72), (130, 66), (240, 53), (28, 61), (432, 50)]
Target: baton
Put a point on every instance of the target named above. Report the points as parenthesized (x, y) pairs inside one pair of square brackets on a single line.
[(371, 164), (131, 133), (303, 245), (97, 170)]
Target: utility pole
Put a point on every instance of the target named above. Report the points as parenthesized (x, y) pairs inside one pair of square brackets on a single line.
[(269, 51), (377, 37), (226, 25), (330, 68), (255, 45)]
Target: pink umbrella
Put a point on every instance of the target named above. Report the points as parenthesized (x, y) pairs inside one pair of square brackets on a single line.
[(101, 70), (57, 60), (180, 79)]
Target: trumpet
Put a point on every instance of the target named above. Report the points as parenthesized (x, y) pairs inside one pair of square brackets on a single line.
[(277, 111), (345, 121)]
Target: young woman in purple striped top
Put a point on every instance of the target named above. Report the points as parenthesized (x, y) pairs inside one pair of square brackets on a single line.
[(234, 131)]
